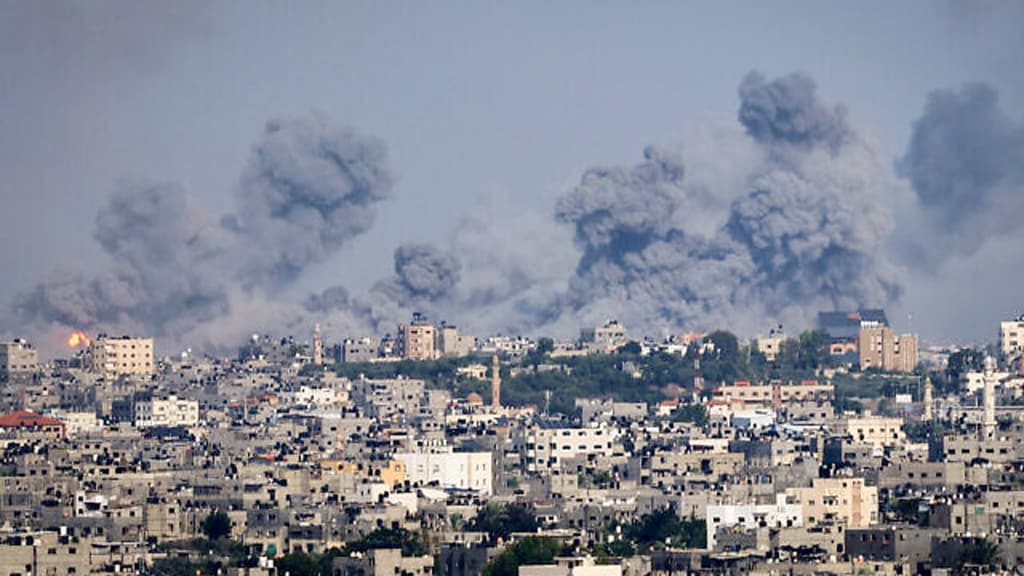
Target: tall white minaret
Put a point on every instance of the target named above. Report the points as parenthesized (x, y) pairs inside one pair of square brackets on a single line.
[(495, 382), (989, 423), (928, 401), (318, 346)]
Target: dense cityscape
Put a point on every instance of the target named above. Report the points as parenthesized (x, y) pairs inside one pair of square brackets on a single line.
[(844, 449)]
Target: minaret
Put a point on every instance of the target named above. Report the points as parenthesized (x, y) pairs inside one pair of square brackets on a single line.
[(927, 416), (698, 381), (989, 423), (495, 382), (318, 346)]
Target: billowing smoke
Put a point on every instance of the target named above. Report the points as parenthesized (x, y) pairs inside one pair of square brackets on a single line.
[(767, 220), (965, 162), (787, 110), (308, 188), (424, 271), (803, 232)]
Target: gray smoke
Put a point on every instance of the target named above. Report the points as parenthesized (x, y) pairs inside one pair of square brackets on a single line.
[(787, 110), (965, 162), (308, 188), (424, 271), (803, 232)]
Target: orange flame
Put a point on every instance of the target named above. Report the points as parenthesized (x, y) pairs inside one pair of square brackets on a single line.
[(78, 339)]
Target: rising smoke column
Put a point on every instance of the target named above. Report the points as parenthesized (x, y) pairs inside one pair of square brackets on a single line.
[(965, 162), (804, 231), (308, 188)]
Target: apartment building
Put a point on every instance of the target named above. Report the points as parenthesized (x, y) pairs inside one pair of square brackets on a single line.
[(881, 348), (781, 514), (17, 357), (544, 449), (122, 356), (461, 470), (1011, 337), (838, 500), (167, 412)]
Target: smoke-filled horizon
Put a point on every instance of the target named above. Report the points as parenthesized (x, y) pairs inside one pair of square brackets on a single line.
[(790, 211)]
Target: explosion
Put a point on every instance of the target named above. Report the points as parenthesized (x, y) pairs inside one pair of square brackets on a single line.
[(78, 339)]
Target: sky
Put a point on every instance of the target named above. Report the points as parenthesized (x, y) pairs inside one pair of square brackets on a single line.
[(491, 112)]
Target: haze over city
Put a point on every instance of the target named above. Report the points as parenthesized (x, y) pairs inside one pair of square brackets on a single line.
[(198, 172)]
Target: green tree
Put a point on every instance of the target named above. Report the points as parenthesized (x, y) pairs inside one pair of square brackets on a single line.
[(814, 353), (664, 527), (217, 525), (963, 361), (631, 348), (298, 564), (408, 541), (500, 521), (978, 553), (529, 550)]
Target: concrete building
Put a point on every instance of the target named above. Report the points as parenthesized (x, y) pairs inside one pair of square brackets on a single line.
[(841, 500), (120, 356), (544, 449), (364, 349), (875, 430), (462, 470), (770, 345), (752, 517), (418, 339), (605, 338), (17, 357), (1011, 338), (451, 344), (881, 348), (169, 412)]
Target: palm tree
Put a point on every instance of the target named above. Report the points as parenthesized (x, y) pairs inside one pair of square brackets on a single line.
[(979, 556)]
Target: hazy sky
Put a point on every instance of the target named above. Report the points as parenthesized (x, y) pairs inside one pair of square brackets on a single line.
[(482, 105)]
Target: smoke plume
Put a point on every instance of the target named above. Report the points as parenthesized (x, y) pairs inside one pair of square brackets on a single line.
[(965, 162), (308, 188)]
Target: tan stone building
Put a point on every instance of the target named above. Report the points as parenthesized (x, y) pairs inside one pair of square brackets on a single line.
[(881, 348), (1011, 337), (117, 356), (843, 500), (418, 340)]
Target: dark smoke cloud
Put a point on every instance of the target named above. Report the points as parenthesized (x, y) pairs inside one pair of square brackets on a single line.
[(425, 271), (308, 188), (787, 110), (803, 232), (965, 162)]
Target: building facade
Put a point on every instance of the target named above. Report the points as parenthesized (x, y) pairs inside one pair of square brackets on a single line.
[(122, 356)]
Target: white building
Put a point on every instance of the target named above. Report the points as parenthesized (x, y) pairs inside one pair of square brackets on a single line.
[(462, 470), (547, 448), (17, 357), (172, 411), (752, 516)]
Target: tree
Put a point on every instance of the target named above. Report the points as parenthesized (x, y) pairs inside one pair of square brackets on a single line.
[(963, 361), (631, 348), (389, 538), (978, 553), (814, 353), (298, 564), (217, 525), (501, 521), (529, 550)]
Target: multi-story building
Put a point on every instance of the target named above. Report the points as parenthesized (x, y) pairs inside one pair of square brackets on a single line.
[(452, 344), (839, 500), (462, 470), (364, 349), (752, 516), (118, 356), (881, 348), (770, 345), (878, 431), (1011, 337), (169, 412), (17, 357), (606, 338), (548, 448), (418, 339)]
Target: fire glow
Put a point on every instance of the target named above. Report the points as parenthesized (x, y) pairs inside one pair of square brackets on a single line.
[(78, 339)]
